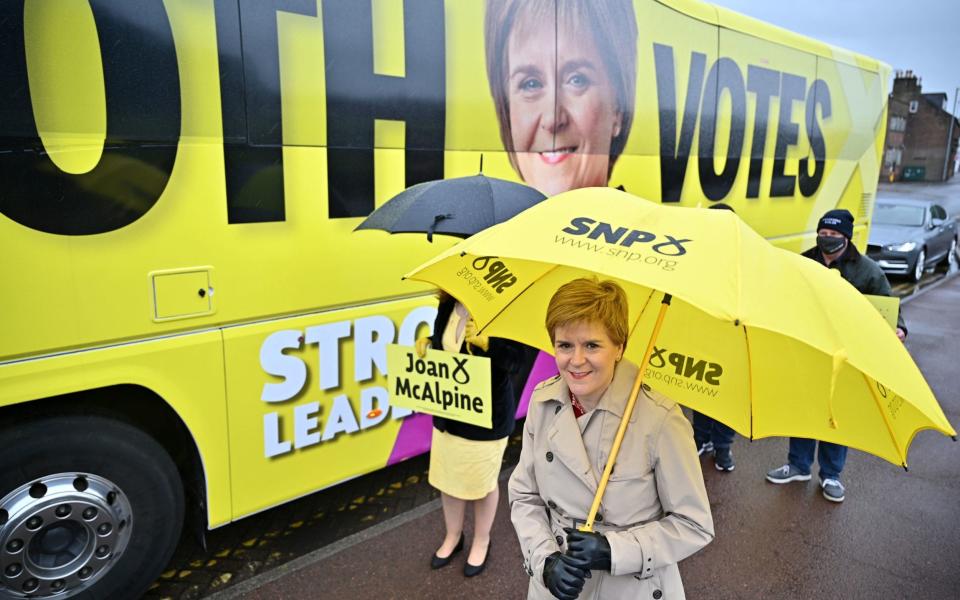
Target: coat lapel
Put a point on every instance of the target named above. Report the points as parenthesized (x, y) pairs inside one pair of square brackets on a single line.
[(614, 402), (567, 446), (566, 443)]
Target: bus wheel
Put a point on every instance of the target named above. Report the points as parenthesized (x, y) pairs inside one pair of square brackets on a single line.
[(90, 507)]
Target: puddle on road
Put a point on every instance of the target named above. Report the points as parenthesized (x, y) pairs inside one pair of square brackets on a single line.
[(907, 289)]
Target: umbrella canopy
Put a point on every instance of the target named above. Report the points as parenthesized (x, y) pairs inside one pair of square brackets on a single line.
[(762, 339), (461, 206)]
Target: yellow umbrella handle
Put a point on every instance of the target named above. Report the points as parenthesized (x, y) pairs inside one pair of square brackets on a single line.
[(588, 526)]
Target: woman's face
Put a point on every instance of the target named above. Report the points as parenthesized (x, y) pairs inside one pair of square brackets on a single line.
[(563, 109), (586, 357)]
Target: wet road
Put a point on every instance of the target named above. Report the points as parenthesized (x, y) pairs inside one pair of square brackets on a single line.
[(262, 542), (896, 536)]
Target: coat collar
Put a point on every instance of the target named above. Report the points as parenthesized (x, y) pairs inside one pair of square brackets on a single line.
[(567, 445), (614, 400), (566, 441)]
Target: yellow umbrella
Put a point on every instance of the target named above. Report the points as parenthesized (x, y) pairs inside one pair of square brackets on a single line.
[(759, 338)]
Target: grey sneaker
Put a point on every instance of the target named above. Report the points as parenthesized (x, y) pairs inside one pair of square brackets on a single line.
[(723, 459), (786, 474), (832, 489), (704, 448)]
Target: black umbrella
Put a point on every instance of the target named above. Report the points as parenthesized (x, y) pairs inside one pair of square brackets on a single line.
[(461, 206)]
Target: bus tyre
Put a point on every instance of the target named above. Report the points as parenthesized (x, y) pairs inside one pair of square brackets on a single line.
[(90, 507)]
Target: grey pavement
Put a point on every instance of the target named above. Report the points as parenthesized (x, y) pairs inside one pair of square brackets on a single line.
[(897, 535)]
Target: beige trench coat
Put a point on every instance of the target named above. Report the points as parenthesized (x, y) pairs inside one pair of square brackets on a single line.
[(655, 510)]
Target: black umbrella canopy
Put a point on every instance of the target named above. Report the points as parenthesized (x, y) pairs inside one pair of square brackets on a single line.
[(460, 207)]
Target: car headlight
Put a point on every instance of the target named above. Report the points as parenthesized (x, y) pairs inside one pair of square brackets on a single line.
[(904, 247)]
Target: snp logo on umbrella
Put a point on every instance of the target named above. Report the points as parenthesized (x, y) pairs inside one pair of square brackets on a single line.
[(487, 276), (689, 372), (620, 241)]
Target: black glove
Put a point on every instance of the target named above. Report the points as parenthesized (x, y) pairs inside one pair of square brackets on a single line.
[(588, 550), (562, 578)]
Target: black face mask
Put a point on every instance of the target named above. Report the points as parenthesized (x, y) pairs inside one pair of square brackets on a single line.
[(829, 244)]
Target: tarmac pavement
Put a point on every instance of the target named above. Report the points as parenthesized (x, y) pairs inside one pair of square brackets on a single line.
[(897, 535)]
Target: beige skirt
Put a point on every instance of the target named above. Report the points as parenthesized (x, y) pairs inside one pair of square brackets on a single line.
[(462, 468)]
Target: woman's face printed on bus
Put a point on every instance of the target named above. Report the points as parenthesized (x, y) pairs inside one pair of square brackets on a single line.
[(563, 108)]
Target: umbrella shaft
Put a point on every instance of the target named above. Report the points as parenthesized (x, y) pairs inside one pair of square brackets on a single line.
[(628, 411)]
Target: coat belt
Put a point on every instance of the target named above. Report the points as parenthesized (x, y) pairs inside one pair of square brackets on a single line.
[(598, 526)]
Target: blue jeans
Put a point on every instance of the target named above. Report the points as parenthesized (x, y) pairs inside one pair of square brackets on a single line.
[(831, 457), (706, 429)]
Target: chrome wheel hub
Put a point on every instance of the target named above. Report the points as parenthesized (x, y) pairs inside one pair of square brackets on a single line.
[(60, 533), (918, 269)]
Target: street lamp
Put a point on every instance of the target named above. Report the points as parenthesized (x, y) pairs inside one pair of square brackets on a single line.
[(946, 156)]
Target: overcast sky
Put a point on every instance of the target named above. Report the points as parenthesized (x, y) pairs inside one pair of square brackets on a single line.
[(921, 35)]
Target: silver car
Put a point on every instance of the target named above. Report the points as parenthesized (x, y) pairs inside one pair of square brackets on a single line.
[(907, 236)]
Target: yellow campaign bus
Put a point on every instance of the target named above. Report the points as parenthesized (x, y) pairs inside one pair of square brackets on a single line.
[(189, 326)]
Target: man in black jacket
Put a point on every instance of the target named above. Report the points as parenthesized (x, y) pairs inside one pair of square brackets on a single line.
[(834, 251)]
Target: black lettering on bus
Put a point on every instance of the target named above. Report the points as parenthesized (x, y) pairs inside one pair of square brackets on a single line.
[(253, 170), (765, 83), (724, 75), (142, 92), (356, 96), (819, 95), (792, 88), (674, 153)]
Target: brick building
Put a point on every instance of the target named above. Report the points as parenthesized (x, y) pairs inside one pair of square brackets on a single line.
[(917, 129)]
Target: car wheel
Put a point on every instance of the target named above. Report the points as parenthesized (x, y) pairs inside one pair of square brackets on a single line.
[(90, 507), (952, 257), (918, 267)]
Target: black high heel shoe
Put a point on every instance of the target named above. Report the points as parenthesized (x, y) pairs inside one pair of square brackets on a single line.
[(436, 562), (474, 570)]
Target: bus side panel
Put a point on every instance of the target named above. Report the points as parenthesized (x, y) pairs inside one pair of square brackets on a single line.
[(674, 53), (289, 130), (290, 161), (309, 404), (841, 121), (185, 371), (769, 118)]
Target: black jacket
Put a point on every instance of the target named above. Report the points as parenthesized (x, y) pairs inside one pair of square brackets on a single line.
[(861, 272), (505, 356)]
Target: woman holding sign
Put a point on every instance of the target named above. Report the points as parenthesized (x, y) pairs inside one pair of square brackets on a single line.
[(655, 510), (465, 460)]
